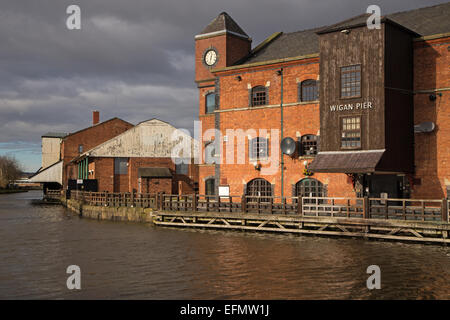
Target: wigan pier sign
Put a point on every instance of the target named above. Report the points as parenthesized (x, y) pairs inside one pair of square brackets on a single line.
[(352, 106)]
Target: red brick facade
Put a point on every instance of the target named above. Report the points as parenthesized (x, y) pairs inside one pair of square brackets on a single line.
[(432, 150), (103, 171), (88, 138)]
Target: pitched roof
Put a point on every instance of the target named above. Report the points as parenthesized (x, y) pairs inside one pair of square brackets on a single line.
[(286, 45), (54, 135), (223, 22), (98, 124), (424, 21)]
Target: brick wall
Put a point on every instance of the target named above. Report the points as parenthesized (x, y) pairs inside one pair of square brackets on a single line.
[(89, 137), (432, 150)]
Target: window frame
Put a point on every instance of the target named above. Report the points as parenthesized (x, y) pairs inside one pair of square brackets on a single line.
[(208, 146), (258, 188), (208, 181), (254, 146), (206, 102), (117, 165), (356, 130), (253, 98), (319, 189), (306, 84), (304, 140), (341, 84)]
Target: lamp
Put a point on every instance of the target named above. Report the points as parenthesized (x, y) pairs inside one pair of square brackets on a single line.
[(238, 78)]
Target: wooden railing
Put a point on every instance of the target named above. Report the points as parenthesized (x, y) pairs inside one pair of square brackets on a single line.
[(408, 209), (333, 207), (109, 199), (368, 208)]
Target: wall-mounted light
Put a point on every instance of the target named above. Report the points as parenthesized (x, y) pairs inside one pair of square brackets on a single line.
[(432, 97), (238, 78), (257, 165), (346, 31), (305, 163), (279, 72)]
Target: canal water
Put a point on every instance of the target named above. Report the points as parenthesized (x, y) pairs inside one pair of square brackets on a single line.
[(137, 261)]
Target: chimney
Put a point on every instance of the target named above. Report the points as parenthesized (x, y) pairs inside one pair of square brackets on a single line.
[(95, 117)]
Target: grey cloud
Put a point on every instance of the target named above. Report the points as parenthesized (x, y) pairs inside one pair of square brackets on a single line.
[(132, 59)]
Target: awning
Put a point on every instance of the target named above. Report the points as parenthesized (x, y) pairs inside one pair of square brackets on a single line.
[(154, 173), (49, 174), (346, 161)]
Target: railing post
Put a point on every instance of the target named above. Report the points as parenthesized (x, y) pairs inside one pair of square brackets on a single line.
[(230, 199), (300, 205), (244, 204), (207, 203), (258, 203), (366, 207), (284, 202), (271, 205), (218, 204), (444, 210), (194, 202), (132, 198)]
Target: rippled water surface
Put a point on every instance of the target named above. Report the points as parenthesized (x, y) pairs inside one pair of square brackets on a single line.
[(136, 261)]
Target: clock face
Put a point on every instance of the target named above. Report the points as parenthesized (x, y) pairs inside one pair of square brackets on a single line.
[(210, 57)]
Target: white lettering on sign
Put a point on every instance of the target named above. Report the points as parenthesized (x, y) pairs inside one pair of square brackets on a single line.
[(352, 106)]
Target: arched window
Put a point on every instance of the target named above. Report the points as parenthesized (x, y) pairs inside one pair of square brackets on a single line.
[(259, 188), (308, 90), (210, 187), (210, 153), (258, 148), (308, 145), (258, 96), (210, 102), (310, 187)]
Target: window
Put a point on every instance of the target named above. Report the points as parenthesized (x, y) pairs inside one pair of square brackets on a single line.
[(210, 153), (308, 145), (308, 90), (120, 166), (259, 188), (351, 133), (310, 187), (258, 97), (182, 166), (351, 81), (80, 148), (210, 102), (258, 148), (210, 187)]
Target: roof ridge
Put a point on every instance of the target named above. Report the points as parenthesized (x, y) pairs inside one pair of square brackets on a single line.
[(421, 8)]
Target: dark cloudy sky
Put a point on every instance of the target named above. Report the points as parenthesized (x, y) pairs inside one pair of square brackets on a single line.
[(132, 59)]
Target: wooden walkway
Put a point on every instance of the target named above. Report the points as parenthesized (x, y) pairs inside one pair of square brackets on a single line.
[(418, 231), (421, 220)]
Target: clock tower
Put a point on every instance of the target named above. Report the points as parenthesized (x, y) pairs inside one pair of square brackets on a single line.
[(221, 44)]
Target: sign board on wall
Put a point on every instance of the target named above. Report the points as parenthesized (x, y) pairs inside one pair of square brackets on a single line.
[(224, 191)]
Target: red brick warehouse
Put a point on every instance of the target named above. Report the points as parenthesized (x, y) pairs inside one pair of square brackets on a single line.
[(377, 125)]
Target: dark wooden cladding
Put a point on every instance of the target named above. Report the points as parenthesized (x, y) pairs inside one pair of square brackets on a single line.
[(385, 59), (399, 104)]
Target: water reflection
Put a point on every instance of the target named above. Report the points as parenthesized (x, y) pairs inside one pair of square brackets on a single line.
[(129, 261)]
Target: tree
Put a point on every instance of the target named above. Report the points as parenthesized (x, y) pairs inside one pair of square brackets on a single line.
[(9, 170)]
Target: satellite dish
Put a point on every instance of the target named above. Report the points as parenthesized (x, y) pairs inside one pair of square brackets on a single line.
[(424, 127), (288, 146)]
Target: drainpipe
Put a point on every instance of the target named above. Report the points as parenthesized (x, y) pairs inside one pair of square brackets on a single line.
[(280, 72)]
